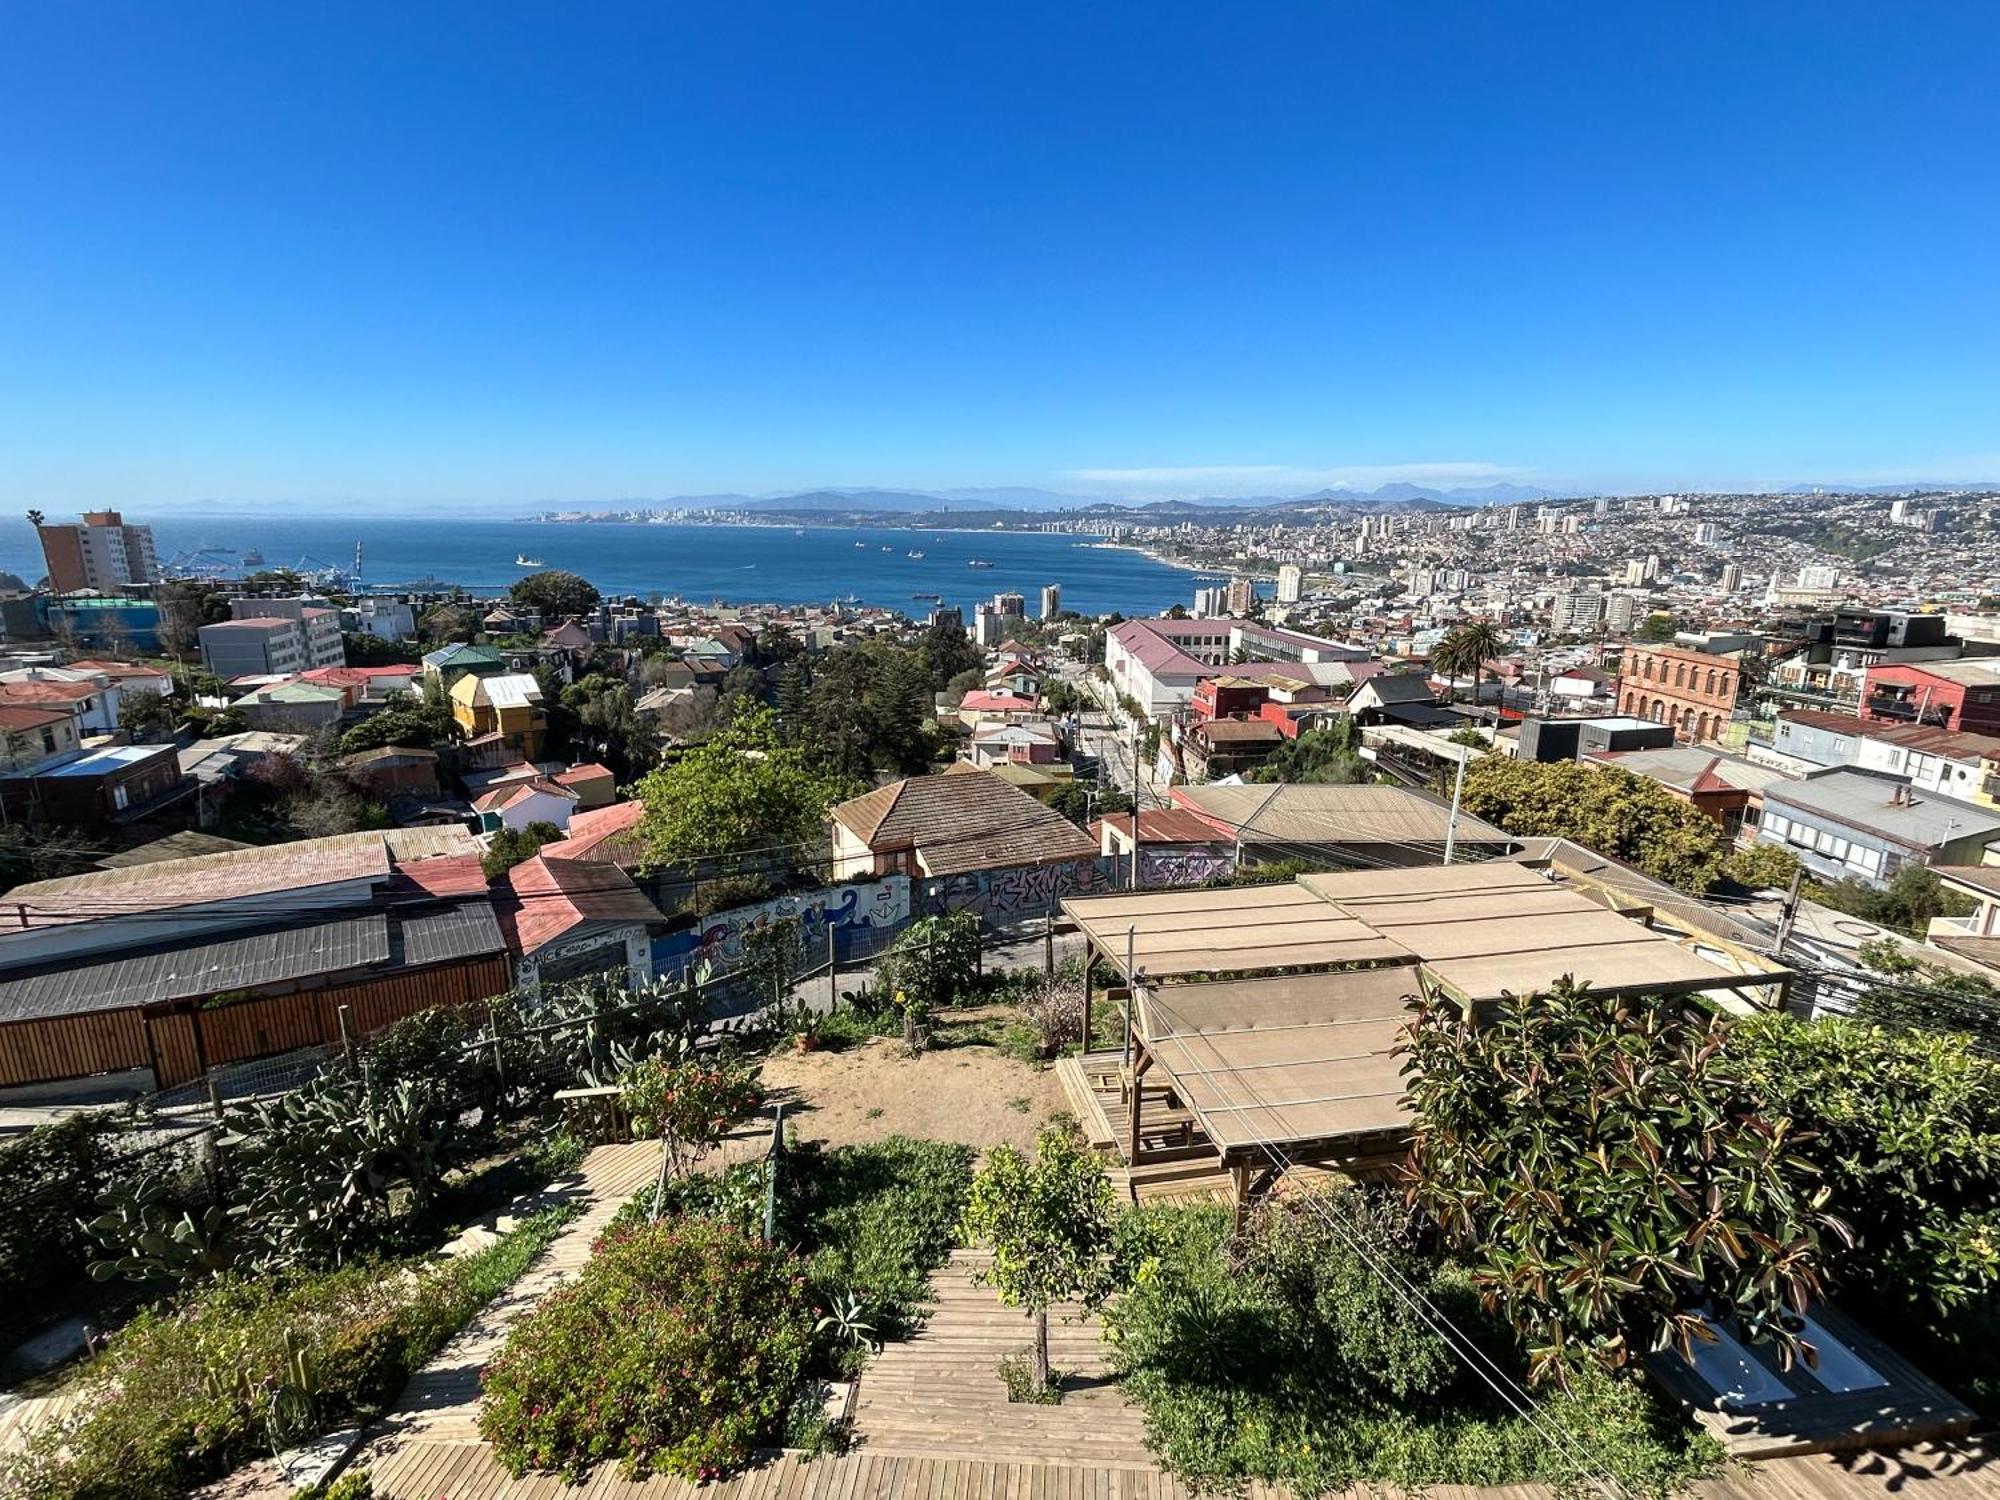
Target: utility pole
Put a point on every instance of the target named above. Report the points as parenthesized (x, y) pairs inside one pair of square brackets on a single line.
[(1790, 912), (1457, 793)]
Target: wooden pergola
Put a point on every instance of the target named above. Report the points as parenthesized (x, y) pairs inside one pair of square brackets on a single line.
[(1265, 1016)]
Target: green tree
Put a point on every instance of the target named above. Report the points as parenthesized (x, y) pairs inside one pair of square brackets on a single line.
[(741, 791), (1049, 1222), (415, 722), (604, 721), (509, 847), (1913, 994), (946, 651), (1761, 867), (555, 595), (1905, 1127), (1466, 650), (146, 716), (1657, 626), (1605, 808), (366, 649), (446, 623), (1908, 903), (1608, 1175), (1327, 757), (1080, 802)]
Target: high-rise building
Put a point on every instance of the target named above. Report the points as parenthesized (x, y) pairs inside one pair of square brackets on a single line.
[(1513, 518), (1732, 578), (1706, 533), (1635, 572), (1010, 604), (1291, 583), (1242, 596), (1819, 577), (1576, 612), (1051, 600), (1210, 602), (989, 626), (101, 552), (1621, 612)]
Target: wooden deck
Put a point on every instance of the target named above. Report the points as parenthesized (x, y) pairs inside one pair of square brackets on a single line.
[(939, 1396)]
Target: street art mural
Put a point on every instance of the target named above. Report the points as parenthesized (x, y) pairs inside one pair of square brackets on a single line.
[(1183, 867), (853, 913), (1019, 890)]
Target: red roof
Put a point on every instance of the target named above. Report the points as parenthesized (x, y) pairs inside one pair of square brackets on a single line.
[(1003, 703), (609, 834), (513, 791), (47, 692), (554, 897), (589, 771), (21, 716), (446, 875), (1165, 825), (356, 676)]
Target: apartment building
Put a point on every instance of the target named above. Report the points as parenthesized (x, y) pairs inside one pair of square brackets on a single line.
[(316, 617), (272, 645), (99, 552)]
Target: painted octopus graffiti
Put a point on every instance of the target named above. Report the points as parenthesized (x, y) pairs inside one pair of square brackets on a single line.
[(846, 909)]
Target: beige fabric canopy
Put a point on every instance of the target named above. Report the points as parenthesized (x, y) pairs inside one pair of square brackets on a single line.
[(1491, 929), (1248, 929), (1302, 1062)]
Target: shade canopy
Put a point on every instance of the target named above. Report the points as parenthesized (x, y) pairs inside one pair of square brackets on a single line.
[(1303, 1063), (1248, 929)]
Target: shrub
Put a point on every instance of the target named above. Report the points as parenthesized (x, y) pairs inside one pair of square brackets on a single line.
[(1611, 1177), (678, 1347), (187, 1392), (54, 1174), (1053, 1009), (934, 963), (876, 1220), (688, 1105), (1293, 1363)]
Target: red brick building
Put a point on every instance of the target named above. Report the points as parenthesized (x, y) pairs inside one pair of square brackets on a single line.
[(1962, 695), (1691, 691)]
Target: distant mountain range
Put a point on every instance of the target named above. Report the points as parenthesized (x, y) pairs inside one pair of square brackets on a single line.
[(1016, 498)]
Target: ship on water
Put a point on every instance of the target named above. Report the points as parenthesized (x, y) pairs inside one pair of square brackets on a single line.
[(915, 556), (522, 560), (978, 562)]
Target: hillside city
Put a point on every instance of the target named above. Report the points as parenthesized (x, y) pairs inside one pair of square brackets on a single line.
[(436, 919)]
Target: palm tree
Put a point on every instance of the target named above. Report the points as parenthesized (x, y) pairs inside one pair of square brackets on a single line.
[(35, 519), (1466, 649)]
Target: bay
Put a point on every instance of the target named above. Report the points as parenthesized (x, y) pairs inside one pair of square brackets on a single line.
[(730, 564)]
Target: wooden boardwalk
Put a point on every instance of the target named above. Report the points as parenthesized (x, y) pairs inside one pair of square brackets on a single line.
[(930, 1428), (940, 1396)]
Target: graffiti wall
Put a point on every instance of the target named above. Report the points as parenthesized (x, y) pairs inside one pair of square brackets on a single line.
[(1186, 867), (1021, 890), (852, 912)]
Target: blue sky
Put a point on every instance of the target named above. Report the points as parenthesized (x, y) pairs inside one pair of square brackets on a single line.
[(491, 254)]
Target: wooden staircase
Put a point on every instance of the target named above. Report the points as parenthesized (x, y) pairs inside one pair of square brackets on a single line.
[(939, 1395)]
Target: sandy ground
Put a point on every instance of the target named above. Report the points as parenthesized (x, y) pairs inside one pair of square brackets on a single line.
[(976, 1095)]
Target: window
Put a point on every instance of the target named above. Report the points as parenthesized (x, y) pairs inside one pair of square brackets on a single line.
[(1777, 823), (119, 798)]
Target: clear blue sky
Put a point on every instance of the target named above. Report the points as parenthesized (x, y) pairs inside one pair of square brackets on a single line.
[(321, 254)]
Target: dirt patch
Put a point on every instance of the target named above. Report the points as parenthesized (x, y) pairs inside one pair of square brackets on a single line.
[(974, 1094)]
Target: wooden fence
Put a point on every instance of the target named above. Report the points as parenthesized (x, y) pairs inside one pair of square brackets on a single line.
[(180, 1045)]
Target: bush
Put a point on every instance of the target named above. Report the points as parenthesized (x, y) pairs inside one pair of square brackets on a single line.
[(678, 1347), (1294, 1363), (876, 1221), (54, 1175), (934, 963), (1053, 1009), (185, 1393)]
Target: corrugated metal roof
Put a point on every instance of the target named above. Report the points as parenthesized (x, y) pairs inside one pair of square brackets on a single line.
[(1310, 814), (190, 971), (466, 930), (513, 690)]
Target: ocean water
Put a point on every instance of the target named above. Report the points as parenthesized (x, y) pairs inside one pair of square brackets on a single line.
[(733, 564)]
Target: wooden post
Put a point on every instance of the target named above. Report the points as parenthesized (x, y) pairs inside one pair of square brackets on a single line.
[(832, 970), (1089, 974), (1140, 1062), (499, 1058), (1049, 956), (345, 1015), (215, 1099), (1240, 1192)]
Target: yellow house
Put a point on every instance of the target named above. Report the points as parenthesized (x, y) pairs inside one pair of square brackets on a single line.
[(509, 705)]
